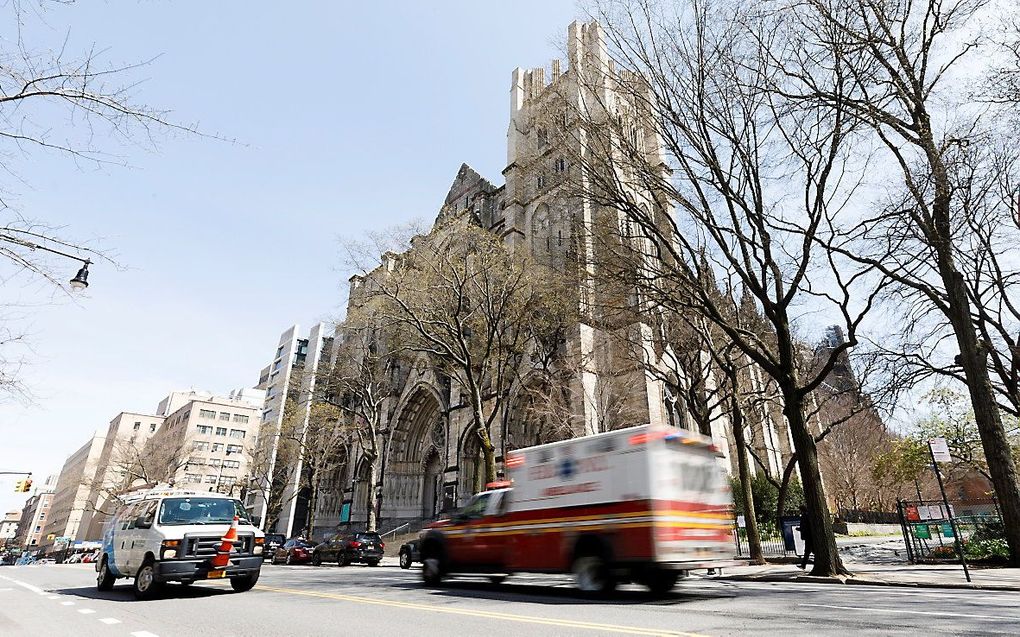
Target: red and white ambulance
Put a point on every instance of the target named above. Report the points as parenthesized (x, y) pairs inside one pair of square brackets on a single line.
[(643, 504)]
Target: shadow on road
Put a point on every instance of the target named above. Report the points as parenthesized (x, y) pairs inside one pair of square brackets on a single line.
[(124, 594)]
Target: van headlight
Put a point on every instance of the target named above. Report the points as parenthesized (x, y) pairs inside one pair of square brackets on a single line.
[(168, 549), (257, 549)]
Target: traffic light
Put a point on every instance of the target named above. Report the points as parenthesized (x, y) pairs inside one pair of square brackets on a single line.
[(23, 486)]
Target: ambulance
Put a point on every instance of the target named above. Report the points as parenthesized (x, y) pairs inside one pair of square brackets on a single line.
[(644, 504), (161, 534)]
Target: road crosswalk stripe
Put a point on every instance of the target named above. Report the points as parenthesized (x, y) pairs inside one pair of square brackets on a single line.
[(109, 620)]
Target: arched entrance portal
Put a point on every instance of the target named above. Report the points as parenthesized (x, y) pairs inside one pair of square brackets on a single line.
[(417, 458)]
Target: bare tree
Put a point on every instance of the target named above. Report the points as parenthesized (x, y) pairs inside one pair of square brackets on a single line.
[(362, 382), (898, 66), (459, 297), (75, 105), (741, 181)]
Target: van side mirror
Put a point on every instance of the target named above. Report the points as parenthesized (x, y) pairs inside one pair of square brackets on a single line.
[(143, 522)]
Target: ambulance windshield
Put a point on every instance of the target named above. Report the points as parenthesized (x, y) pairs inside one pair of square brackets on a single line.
[(177, 511)]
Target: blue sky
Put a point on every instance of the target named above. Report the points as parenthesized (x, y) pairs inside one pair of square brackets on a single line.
[(348, 116)]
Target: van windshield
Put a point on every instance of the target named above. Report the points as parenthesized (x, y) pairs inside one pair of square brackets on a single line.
[(177, 511)]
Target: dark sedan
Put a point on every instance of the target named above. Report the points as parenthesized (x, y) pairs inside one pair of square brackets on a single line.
[(294, 551), (347, 548)]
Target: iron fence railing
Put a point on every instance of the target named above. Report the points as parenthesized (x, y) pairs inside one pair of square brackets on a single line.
[(928, 532)]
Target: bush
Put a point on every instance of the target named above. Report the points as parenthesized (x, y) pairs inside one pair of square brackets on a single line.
[(765, 496)]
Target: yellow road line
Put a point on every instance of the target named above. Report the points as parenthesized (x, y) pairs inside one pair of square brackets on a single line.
[(566, 623)]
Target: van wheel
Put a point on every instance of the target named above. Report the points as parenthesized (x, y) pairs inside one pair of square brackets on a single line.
[(146, 586), (405, 560), (591, 573), (105, 579), (243, 583)]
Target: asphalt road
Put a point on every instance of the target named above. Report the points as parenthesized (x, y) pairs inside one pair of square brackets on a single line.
[(39, 601)]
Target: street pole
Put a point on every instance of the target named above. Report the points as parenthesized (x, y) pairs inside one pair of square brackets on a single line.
[(949, 514)]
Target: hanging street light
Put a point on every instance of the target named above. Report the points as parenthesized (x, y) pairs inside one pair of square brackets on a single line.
[(81, 280)]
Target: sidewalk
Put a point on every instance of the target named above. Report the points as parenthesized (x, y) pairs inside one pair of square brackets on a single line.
[(919, 575)]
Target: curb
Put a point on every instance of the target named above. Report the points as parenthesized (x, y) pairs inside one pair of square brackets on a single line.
[(863, 581)]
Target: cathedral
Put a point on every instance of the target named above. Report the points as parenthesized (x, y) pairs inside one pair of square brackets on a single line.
[(430, 457)]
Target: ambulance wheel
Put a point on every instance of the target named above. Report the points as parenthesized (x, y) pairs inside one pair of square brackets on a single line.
[(105, 579), (591, 573), (145, 585), (243, 583), (432, 571), (660, 582)]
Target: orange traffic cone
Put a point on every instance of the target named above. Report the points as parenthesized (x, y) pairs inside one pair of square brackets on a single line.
[(222, 557)]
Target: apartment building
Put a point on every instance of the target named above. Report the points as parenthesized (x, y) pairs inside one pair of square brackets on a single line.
[(206, 441), (31, 528)]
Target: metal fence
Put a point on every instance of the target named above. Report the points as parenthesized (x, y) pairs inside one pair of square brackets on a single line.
[(929, 535)]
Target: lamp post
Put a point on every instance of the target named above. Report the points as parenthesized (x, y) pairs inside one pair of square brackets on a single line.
[(80, 280)]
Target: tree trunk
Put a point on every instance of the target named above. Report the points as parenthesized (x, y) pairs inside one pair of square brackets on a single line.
[(827, 561), (750, 515), (485, 442), (784, 486), (373, 494), (994, 442)]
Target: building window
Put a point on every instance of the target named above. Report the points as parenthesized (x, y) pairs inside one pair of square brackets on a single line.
[(152, 428), (560, 165), (216, 447), (206, 413), (204, 429), (276, 365), (541, 181), (241, 418), (137, 426), (224, 416), (234, 448), (210, 479), (227, 479), (214, 462), (192, 477), (196, 461), (231, 464), (199, 445), (221, 431), (543, 138), (237, 433)]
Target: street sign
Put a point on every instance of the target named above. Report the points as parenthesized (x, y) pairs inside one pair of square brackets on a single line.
[(922, 532), (741, 522), (939, 450)]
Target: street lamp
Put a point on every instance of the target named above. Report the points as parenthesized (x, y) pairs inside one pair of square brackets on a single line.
[(80, 280)]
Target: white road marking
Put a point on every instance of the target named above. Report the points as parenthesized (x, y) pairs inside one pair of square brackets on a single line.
[(53, 597), (109, 620), (86, 611), (912, 612), (67, 603), (34, 589), (143, 633)]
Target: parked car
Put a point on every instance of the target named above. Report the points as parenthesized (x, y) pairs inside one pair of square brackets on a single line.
[(409, 554), (346, 548), (294, 551), (73, 559), (273, 542)]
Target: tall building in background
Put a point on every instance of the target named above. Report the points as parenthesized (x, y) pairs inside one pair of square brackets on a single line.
[(73, 488), (206, 441), (120, 462), (280, 497), (9, 528), (34, 516)]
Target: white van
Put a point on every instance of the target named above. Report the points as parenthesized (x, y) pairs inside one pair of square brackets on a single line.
[(171, 535)]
